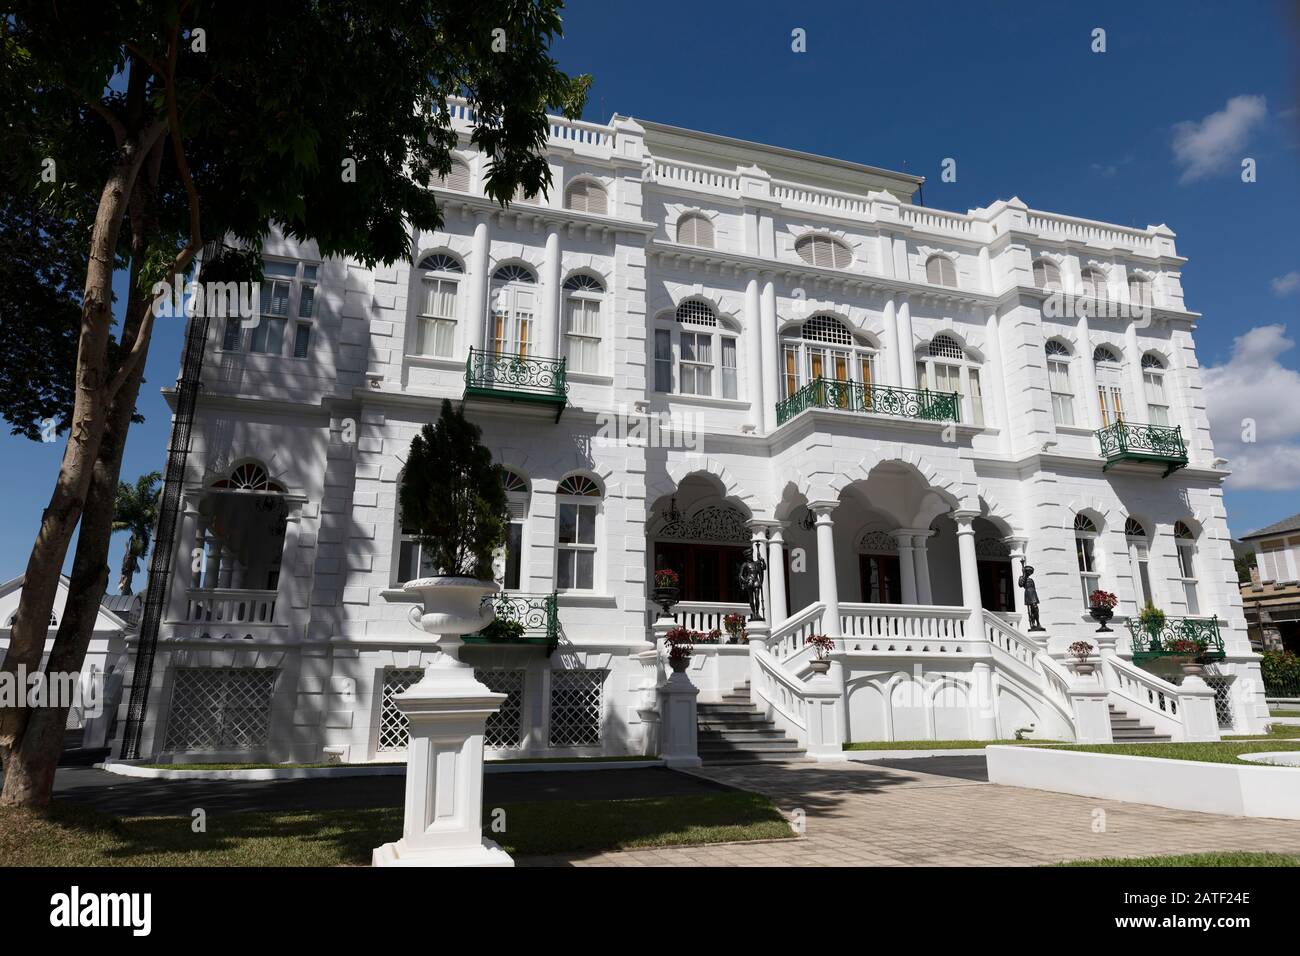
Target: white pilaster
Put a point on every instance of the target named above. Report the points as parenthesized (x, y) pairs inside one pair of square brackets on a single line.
[(776, 574), (906, 347), (756, 374), (477, 286), (771, 372), (548, 324), (827, 586), (893, 364)]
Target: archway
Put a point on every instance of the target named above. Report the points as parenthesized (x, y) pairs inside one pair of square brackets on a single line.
[(700, 533)]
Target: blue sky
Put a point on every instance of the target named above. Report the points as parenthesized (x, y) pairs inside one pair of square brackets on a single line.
[(1013, 93)]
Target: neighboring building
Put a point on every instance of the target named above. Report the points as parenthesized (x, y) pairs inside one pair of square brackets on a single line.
[(1272, 596), (888, 409), (117, 621)]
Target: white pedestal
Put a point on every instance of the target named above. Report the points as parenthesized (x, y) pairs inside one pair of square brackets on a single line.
[(442, 823), (1091, 709), (679, 727), (1196, 700)]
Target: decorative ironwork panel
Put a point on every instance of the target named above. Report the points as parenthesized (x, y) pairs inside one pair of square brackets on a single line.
[(1222, 701), (220, 708), (878, 542), (1165, 640), (713, 523), (921, 404), (538, 613), (1131, 438), (992, 548), (511, 372), (394, 729), (505, 728), (577, 705)]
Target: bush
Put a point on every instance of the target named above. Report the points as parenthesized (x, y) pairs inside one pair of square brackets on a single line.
[(1281, 670)]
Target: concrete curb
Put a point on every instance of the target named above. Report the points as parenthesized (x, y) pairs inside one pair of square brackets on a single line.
[(356, 770)]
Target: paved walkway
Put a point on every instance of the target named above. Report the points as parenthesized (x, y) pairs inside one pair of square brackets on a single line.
[(941, 811)]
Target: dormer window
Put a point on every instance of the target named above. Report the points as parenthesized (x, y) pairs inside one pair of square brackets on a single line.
[(695, 229), (824, 251), (586, 196), (939, 270), (1047, 276)]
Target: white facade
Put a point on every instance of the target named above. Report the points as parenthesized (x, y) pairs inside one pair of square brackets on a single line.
[(705, 279)]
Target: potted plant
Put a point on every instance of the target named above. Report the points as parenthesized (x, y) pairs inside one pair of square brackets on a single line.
[(1101, 605), (1081, 651), (822, 647), (679, 641), (1151, 620), (1190, 653), (453, 496), (735, 627), (666, 590)]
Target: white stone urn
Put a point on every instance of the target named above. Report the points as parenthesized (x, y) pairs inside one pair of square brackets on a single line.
[(447, 711)]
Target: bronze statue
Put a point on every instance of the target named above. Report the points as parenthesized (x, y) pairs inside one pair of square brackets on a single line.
[(1031, 595), (751, 574)]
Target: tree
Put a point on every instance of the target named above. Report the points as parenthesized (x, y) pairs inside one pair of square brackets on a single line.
[(453, 497), (146, 128), (136, 511)]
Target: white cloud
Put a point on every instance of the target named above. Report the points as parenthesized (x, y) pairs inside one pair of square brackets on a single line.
[(1253, 386), (1285, 285), (1216, 142)]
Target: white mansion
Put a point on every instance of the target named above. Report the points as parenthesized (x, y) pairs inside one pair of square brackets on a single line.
[(694, 347)]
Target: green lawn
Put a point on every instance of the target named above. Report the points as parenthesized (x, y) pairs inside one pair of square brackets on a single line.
[(1284, 711), (1275, 732), (73, 835), (1195, 859), (933, 744), (1225, 751)]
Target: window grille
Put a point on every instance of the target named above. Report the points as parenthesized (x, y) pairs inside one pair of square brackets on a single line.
[(511, 272), (824, 328), (695, 312), (577, 704), (1103, 354), (219, 708), (394, 730), (944, 347), (441, 262), (582, 282)]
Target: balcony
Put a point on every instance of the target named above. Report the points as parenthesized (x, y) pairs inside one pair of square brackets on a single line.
[(538, 614), (1177, 637), (513, 377), (922, 404), (1130, 441)]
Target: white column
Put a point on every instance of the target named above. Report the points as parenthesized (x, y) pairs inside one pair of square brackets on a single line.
[(756, 374), (906, 564), (776, 574), (827, 587), (996, 385), (970, 578), (548, 323), (892, 369), (924, 593), (1089, 405), (1139, 412), (906, 347), (476, 287), (771, 362)]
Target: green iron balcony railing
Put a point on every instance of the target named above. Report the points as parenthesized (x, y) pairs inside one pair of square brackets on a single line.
[(1130, 441), (536, 614), (1177, 637), (517, 378), (921, 404)]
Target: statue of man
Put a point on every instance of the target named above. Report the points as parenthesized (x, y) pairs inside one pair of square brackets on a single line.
[(751, 574), (1031, 595)]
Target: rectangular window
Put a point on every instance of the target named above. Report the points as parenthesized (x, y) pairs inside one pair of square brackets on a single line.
[(976, 398), (663, 360), (302, 340), (1187, 571), (234, 332), (1088, 577), (514, 552), (868, 370), (435, 326), (1112, 404), (576, 538), (268, 336), (582, 336), (791, 370), (697, 363), (1058, 377), (412, 563), (729, 368)]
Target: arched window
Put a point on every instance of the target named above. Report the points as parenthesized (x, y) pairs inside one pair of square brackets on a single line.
[(695, 229), (1094, 284), (585, 196), (1185, 546), (249, 476), (513, 296), (1139, 291), (288, 291), (819, 250), (516, 487), (1047, 275), (1058, 379), (945, 367), (1139, 553), (939, 270), (1085, 549), (825, 348), (578, 507), (1110, 384), (1153, 382), (521, 197), (457, 178), (583, 295), (703, 350), (436, 302)]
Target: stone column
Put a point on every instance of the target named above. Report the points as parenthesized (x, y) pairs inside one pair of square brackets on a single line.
[(476, 287), (993, 362), (924, 593), (906, 347), (548, 320), (827, 586), (776, 574), (1139, 412), (770, 372), (892, 369), (970, 578), (756, 374), (1089, 405), (906, 564)]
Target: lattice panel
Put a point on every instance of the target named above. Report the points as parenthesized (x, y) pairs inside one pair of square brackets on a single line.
[(394, 729), (505, 728), (220, 708), (1222, 701), (577, 703)]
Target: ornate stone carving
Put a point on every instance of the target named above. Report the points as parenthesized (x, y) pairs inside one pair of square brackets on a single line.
[(711, 523)]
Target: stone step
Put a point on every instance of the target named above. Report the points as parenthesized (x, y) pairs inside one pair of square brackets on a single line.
[(714, 746), (1139, 736), (757, 723), (727, 710), (740, 735), (742, 757)]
